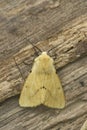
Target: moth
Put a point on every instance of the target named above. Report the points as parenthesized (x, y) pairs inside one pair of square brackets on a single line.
[(84, 127), (42, 86)]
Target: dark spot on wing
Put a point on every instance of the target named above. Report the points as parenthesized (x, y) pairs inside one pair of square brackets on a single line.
[(25, 86), (58, 88), (43, 87)]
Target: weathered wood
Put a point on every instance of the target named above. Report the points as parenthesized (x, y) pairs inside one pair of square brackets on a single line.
[(59, 26), (66, 47)]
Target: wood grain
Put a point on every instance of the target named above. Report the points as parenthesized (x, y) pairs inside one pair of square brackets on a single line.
[(59, 27), (66, 47)]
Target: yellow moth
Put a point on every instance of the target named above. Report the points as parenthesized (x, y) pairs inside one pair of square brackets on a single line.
[(84, 127), (42, 85)]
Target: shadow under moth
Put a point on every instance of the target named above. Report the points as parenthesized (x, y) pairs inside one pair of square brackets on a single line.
[(42, 86)]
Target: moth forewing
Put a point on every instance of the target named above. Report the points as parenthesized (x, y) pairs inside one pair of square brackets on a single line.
[(42, 85)]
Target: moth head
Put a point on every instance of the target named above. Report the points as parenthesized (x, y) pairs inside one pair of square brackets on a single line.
[(43, 63), (44, 58)]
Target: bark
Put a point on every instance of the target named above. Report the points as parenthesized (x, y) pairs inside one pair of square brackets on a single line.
[(60, 28)]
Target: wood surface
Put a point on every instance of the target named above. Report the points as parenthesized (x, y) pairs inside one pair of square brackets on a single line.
[(60, 28)]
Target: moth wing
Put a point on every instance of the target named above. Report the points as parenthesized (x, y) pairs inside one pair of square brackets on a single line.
[(54, 95), (31, 93)]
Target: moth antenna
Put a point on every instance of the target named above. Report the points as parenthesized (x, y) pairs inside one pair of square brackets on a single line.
[(18, 68), (52, 48), (35, 48)]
